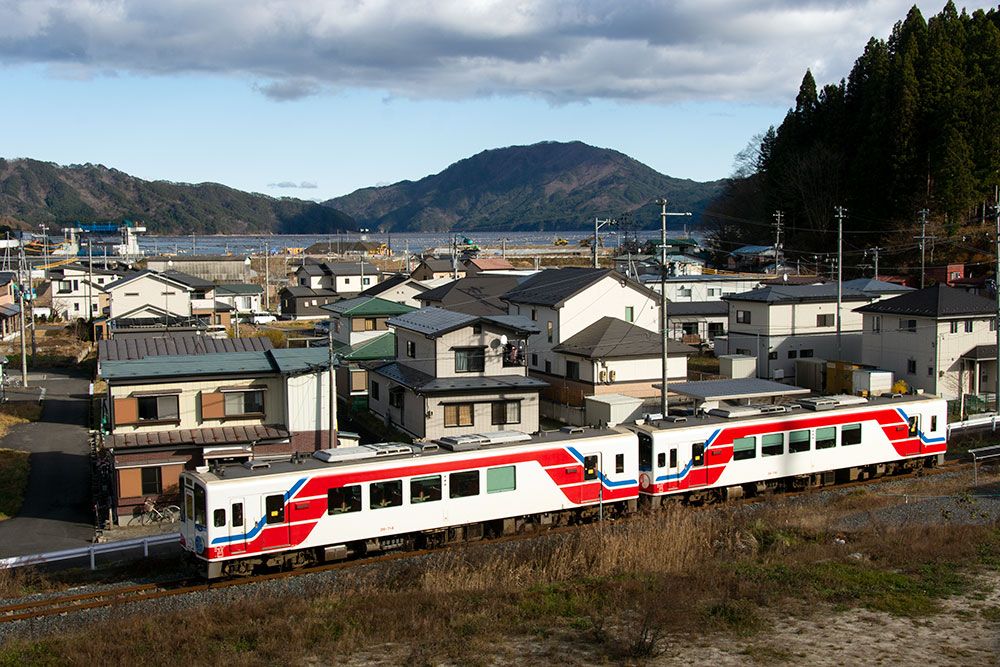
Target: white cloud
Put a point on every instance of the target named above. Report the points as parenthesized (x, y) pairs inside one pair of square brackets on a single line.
[(305, 185), (560, 50)]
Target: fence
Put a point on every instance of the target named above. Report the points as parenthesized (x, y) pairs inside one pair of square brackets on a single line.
[(91, 551)]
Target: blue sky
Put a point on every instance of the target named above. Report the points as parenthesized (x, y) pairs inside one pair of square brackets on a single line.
[(316, 99)]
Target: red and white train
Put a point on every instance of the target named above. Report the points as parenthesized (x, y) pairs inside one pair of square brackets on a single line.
[(377, 497)]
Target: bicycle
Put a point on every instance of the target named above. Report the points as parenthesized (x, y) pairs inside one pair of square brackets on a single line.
[(153, 514)]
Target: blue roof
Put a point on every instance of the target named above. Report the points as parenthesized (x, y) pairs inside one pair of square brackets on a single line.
[(753, 249)]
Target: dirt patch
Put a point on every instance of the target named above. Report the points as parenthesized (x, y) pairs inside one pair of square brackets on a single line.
[(14, 469)]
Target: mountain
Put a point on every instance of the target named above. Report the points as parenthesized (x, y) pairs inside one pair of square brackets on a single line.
[(548, 185), (34, 193)]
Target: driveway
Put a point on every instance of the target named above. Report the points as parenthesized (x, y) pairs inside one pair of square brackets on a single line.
[(56, 513)]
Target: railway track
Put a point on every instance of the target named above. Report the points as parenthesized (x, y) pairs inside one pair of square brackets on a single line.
[(64, 605)]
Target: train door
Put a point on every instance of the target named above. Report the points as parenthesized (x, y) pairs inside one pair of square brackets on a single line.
[(591, 489), (697, 475), (671, 470), (913, 435), (276, 528), (237, 526)]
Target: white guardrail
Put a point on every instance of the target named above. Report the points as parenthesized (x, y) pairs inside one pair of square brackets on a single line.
[(975, 422), (92, 551)]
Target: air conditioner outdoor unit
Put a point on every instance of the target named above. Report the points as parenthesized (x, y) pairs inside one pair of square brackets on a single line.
[(611, 376), (603, 376)]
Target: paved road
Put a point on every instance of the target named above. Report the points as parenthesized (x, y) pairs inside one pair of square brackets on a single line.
[(56, 513)]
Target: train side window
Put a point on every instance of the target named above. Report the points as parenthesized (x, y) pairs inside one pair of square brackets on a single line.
[(200, 509), (850, 434), (344, 499), (798, 441), (698, 454), (673, 458), (219, 518), (914, 425), (619, 464), (425, 489), (826, 437), (501, 479), (772, 444), (386, 494), (274, 507), (237, 515), (933, 423), (463, 484), (645, 451), (744, 448), (661, 460)]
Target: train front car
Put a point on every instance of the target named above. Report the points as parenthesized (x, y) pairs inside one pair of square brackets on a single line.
[(371, 498), (736, 451)]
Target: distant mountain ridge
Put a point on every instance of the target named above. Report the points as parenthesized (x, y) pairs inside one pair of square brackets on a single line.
[(34, 192), (549, 185)]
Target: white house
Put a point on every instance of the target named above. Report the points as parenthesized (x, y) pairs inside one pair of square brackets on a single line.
[(939, 339), (708, 287), (400, 288), (243, 298), (74, 285), (348, 278), (781, 323)]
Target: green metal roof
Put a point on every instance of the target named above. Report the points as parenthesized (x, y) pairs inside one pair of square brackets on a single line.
[(286, 362), (381, 347), (239, 288), (367, 306)]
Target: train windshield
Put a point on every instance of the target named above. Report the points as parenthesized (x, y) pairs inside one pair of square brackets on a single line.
[(645, 451), (200, 513)]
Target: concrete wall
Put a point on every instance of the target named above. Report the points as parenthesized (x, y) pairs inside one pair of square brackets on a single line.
[(149, 290)]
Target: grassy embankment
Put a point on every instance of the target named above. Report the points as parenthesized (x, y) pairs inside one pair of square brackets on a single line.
[(614, 593)]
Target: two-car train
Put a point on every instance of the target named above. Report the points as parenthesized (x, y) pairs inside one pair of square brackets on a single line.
[(377, 497)]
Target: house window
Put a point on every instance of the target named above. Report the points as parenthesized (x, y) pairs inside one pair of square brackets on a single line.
[(534, 360), (743, 316), (344, 499), (911, 366), (506, 412), (386, 494), (805, 354), (366, 281), (534, 314), (714, 291), (411, 349), (968, 326), (689, 328), (684, 292), (629, 314), (374, 391), (76, 307), (572, 370), (371, 324), (244, 403), (954, 327), (499, 480), (930, 371), (158, 408), (470, 360), (151, 481), (396, 397), (793, 354), (824, 320), (463, 484), (772, 355), (425, 489), (993, 324), (549, 330), (907, 325), (458, 414), (359, 380), (477, 329), (715, 329), (548, 366), (876, 323)]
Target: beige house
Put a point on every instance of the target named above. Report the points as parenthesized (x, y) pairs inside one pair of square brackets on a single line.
[(400, 288), (341, 277), (435, 268), (456, 374), (939, 339), (164, 414)]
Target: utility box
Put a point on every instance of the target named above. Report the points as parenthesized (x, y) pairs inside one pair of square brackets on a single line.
[(611, 409), (868, 382), (811, 374), (737, 366)]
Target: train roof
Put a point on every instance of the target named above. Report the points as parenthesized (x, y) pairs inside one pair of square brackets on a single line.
[(728, 413), (345, 457)]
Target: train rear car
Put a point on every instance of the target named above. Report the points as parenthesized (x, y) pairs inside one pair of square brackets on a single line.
[(376, 497), (737, 450)]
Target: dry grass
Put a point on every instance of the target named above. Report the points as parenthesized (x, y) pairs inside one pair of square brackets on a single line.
[(20, 412), (14, 470)]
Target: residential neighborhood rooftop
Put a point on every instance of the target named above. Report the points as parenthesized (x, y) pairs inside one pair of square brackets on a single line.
[(131, 349), (475, 295), (367, 306), (939, 301), (553, 286), (798, 294), (285, 361), (434, 321), (428, 384), (611, 338)]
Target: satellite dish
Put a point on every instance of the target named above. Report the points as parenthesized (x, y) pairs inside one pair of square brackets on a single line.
[(503, 340)]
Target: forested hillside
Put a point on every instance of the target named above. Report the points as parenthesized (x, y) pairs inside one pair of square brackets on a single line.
[(915, 126)]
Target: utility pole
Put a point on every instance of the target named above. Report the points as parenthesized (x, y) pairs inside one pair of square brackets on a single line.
[(875, 251), (193, 244), (841, 213), (777, 240), (90, 279), (664, 334), (923, 242), (333, 388), (24, 346), (996, 290), (454, 257), (45, 245), (598, 223), (406, 250), (267, 277)]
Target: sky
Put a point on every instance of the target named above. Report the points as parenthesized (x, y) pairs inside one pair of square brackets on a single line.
[(314, 99)]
